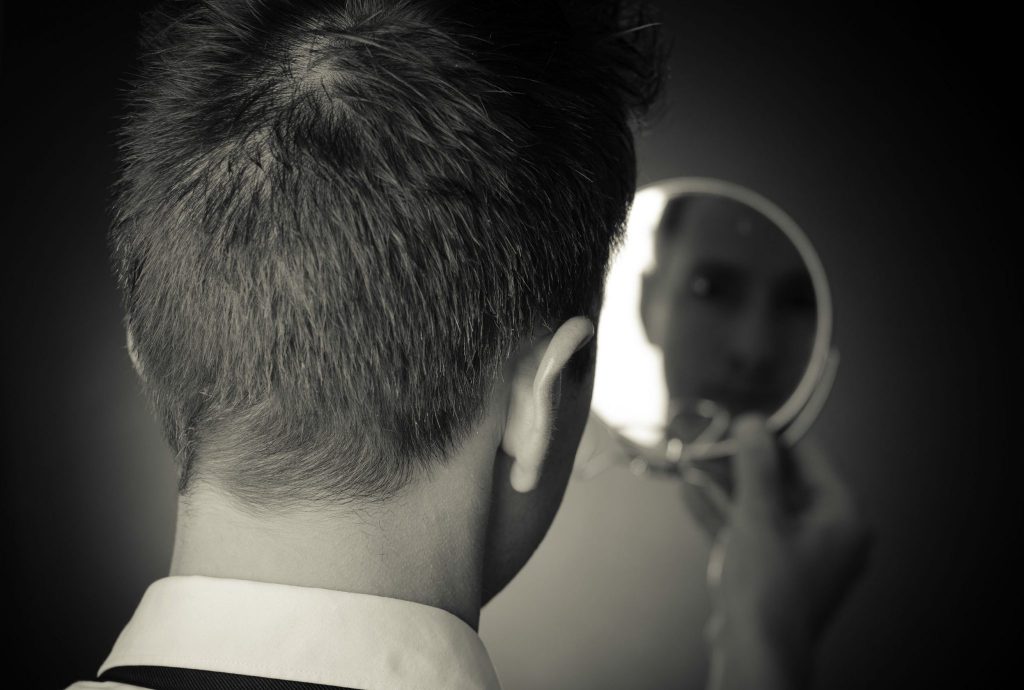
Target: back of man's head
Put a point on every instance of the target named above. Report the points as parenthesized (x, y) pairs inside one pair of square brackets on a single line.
[(338, 219)]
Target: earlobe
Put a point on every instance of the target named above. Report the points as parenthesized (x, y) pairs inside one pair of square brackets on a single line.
[(533, 405)]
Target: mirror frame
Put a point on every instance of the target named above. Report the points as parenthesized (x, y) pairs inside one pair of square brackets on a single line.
[(792, 419)]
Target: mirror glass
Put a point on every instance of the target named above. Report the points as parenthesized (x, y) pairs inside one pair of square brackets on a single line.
[(715, 305)]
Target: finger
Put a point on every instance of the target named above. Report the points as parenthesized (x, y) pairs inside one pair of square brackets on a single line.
[(716, 562), (813, 465), (833, 514), (706, 502), (828, 493), (758, 479)]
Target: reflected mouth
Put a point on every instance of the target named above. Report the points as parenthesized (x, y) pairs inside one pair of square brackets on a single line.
[(740, 399)]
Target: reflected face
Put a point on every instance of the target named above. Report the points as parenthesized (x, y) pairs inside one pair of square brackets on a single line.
[(730, 304)]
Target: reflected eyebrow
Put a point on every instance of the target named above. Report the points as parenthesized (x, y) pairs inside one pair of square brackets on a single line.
[(720, 269)]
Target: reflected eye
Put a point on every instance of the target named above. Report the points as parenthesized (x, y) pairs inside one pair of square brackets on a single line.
[(716, 284), (700, 286)]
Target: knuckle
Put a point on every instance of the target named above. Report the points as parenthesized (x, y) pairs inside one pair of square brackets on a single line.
[(853, 532)]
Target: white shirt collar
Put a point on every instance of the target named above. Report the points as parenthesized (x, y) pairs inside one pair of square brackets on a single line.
[(302, 634)]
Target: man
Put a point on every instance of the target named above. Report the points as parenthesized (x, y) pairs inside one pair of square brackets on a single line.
[(361, 246)]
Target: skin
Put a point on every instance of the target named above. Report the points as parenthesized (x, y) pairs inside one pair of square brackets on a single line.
[(453, 538), (456, 537)]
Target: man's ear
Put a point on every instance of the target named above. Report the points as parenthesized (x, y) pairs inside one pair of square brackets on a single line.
[(651, 309), (534, 397), (133, 353)]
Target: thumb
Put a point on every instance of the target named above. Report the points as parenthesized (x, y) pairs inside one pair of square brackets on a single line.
[(758, 480)]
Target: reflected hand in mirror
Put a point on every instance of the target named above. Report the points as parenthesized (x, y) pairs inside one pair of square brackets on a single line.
[(717, 305)]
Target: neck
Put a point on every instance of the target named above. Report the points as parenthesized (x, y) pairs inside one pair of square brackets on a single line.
[(424, 545)]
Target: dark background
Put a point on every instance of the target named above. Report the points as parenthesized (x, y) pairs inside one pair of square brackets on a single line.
[(884, 133)]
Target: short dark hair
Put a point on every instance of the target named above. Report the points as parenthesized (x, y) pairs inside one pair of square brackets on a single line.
[(337, 219)]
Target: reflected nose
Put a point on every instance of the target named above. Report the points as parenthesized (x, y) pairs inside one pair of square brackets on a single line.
[(752, 346)]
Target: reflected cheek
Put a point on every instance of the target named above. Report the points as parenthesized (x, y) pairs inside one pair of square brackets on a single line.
[(795, 349), (695, 347)]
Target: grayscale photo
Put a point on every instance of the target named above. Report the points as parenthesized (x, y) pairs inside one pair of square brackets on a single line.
[(478, 344)]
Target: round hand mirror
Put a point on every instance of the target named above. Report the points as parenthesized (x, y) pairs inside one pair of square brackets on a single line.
[(716, 305)]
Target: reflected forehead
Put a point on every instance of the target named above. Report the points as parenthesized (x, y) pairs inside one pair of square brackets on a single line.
[(725, 232)]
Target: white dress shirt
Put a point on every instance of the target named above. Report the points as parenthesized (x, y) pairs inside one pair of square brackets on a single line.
[(301, 634)]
